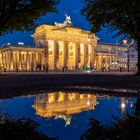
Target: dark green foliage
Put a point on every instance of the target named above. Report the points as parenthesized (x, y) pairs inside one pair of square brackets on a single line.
[(118, 15), (120, 129), (22, 129), (127, 129), (95, 131), (122, 16), (21, 14)]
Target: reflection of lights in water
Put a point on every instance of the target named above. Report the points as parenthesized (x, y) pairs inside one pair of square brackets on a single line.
[(123, 105), (62, 106), (67, 118), (131, 104)]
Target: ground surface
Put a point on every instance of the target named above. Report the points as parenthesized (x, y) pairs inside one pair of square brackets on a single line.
[(13, 84)]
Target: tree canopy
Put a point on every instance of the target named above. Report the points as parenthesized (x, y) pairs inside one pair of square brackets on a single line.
[(20, 129), (22, 14), (119, 129), (122, 16)]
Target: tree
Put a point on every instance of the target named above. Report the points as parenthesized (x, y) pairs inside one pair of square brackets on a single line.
[(20, 129), (22, 14), (120, 129), (122, 16)]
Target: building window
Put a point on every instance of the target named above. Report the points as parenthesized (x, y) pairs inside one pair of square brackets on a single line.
[(132, 51), (132, 56)]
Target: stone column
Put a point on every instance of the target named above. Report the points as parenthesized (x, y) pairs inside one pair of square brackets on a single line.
[(100, 66), (16, 59), (85, 54), (46, 55), (7, 64), (92, 55), (34, 61), (42, 61), (65, 49), (3, 59), (77, 55), (11, 60), (8, 60), (20, 61), (56, 54), (27, 61)]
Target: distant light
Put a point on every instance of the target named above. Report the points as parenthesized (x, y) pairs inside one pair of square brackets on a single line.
[(31, 35), (88, 102), (20, 43), (123, 105), (88, 39), (131, 105), (8, 43), (124, 41), (87, 71)]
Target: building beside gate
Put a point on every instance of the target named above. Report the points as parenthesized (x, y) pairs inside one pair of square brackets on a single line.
[(112, 56)]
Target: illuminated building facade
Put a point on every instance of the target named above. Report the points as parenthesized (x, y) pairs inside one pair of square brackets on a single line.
[(65, 47), (21, 58), (57, 47), (63, 105), (106, 54), (111, 56)]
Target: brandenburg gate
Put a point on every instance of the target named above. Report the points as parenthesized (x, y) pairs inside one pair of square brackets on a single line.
[(66, 46)]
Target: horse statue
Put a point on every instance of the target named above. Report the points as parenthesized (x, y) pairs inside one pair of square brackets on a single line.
[(66, 23)]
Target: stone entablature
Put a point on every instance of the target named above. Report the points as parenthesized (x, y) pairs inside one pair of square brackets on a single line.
[(49, 32)]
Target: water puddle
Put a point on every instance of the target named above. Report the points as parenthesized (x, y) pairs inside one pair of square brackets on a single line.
[(66, 115)]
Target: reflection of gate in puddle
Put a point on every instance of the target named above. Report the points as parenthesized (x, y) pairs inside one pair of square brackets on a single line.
[(63, 105)]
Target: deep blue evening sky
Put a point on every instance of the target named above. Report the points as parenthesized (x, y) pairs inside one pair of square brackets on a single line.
[(72, 8)]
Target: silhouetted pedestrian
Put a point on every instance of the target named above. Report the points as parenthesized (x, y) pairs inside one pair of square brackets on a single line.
[(120, 69), (47, 69), (63, 69), (4, 69)]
